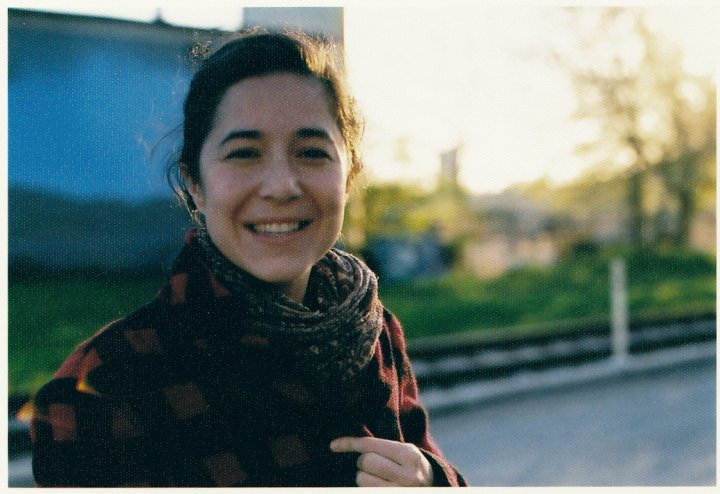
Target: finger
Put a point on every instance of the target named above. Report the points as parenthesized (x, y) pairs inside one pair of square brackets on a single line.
[(364, 479), (396, 451), (380, 466), (399, 475)]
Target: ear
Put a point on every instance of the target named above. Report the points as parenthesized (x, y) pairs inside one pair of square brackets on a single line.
[(193, 187)]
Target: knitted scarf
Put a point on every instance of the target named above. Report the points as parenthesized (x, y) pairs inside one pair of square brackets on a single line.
[(331, 335)]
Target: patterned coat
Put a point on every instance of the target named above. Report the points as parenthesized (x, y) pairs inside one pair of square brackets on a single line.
[(178, 394)]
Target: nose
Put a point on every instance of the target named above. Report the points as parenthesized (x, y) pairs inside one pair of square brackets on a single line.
[(279, 181)]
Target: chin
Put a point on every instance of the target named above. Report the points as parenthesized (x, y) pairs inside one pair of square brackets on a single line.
[(284, 275)]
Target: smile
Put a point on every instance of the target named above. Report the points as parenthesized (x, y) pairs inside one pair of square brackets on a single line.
[(278, 228)]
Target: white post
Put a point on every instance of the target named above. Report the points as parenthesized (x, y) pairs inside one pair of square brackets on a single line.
[(619, 310)]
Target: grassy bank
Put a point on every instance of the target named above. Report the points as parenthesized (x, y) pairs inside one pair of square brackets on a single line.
[(577, 288), (49, 317)]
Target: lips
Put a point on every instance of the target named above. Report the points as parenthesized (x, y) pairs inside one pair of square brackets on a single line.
[(278, 227)]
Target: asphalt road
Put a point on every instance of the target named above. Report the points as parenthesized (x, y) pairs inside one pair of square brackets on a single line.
[(654, 429)]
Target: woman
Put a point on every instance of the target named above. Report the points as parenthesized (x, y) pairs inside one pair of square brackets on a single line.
[(267, 358)]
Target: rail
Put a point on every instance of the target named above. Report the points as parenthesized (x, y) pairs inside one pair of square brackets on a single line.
[(447, 361)]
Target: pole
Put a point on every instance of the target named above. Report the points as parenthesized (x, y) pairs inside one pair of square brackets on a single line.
[(619, 310)]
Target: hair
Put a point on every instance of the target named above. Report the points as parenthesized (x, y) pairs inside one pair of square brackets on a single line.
[(252, 54)]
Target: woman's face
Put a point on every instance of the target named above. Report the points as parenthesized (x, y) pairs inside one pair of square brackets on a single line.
[(273, 172)]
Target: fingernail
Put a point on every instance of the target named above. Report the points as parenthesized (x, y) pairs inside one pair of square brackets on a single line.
[(333, 444)]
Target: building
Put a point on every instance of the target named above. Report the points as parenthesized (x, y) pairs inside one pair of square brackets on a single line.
[(90, 101)]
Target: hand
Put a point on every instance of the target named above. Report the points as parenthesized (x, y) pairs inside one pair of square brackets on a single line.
[(385, 463)]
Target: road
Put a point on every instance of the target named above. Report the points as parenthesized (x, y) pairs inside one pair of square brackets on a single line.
[(649, 429)]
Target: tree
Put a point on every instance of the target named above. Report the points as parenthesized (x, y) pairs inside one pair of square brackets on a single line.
[(653, 118), (690, 156)]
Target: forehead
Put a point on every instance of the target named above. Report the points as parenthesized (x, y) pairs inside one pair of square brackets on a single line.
[(276, 102)]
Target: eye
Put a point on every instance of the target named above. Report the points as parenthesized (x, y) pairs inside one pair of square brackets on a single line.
[(243, 153), (314, 153)]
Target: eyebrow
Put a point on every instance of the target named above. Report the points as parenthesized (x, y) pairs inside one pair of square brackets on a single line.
[(310, 132), (303, 133), (241, 134)]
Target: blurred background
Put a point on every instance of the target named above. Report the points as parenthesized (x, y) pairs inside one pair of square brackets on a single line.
[(513, 153)]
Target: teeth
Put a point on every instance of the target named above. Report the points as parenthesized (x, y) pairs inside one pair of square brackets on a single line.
[(278, 228)]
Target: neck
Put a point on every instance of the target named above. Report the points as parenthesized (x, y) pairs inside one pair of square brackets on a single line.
[(296, 289)]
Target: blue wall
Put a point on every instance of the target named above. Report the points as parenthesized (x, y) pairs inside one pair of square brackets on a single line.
[(85, 111)]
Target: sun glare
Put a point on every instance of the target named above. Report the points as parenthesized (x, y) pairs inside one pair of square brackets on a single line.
[(434, 77)]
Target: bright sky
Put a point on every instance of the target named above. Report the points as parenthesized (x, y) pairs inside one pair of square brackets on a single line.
[(434, 74)]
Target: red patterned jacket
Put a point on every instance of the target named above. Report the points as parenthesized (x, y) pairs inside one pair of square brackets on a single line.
[(178, 394)]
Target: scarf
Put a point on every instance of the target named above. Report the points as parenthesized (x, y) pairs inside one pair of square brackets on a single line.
[(332, 334)]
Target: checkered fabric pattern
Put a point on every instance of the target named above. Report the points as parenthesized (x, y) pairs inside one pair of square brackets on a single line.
[(178, 394)]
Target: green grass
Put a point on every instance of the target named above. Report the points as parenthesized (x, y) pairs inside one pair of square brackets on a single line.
[(48, 318), (658, 281)]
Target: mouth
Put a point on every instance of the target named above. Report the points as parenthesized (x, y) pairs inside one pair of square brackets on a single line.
[(278, 228)]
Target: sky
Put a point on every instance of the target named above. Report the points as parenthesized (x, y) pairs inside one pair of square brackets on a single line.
[(430, 76)]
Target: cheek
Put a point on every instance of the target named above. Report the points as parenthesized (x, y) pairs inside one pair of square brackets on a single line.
[(333, 192), (222, 188)]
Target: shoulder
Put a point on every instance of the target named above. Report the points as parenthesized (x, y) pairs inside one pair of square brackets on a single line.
[(110, 346), (391, 349), (394, 329)]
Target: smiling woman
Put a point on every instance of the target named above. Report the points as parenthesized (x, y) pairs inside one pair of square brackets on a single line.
[(267, 359), (272, 182)]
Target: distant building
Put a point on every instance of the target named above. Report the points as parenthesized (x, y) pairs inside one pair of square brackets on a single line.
[(90, 99), (493, 256), (703, 232), (449, 168)]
